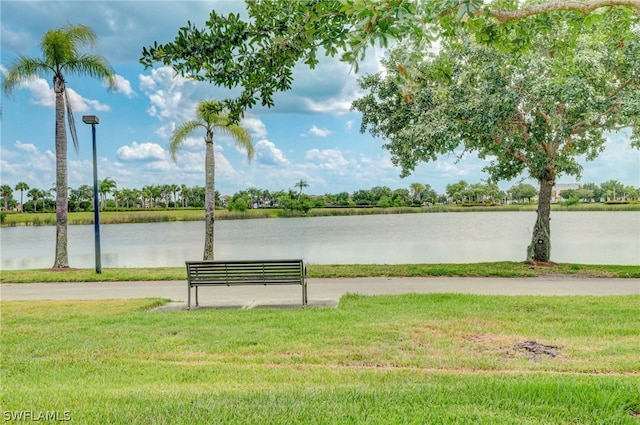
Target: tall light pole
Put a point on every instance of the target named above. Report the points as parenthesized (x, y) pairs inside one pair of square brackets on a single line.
[(93, 120)]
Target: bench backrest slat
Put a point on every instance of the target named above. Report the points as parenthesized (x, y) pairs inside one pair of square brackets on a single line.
[(219, 272)]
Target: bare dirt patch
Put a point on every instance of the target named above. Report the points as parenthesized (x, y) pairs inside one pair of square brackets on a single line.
[(536, 349)]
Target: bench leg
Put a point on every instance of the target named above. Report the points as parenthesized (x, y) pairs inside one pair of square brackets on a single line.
[(197, 305), (304, 293), (188, 296)]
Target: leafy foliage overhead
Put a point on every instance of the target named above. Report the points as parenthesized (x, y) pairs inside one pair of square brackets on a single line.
[(258, 54), (534, 109)]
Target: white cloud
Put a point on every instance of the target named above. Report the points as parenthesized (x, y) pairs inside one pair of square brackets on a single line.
[(225, 171), (255, 126), (160, 166), (9, 169), (28, 164), (328, 159), (141, 152), (618, 151), (80, 104), (124, 86), (267, 153), (26, 147), (450, 169), (335, 105), (320, 132), (166, 130), (195, 144), (7, 154), (166, 92), (41, 93)]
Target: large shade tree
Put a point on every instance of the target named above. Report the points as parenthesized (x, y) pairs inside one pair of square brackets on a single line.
[(534, 110), (61, 57), (258, 54), (211, 118)]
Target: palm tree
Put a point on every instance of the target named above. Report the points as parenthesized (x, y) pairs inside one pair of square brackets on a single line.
[(301, 184), (117, 196), (174, 188), (21, 186), (61, 56), (7, 193), (210, 117), (128, 195), (34, 194), (417, 189), (45, 195), (145, 194), (106, 186), (166, 194), (184, 194)]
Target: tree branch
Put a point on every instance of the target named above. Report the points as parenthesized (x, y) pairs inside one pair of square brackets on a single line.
[(582, 126), (584, 7)]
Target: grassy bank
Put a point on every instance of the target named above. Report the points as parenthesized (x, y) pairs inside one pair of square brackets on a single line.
[(436, 358), (154, 216), (501, 269)]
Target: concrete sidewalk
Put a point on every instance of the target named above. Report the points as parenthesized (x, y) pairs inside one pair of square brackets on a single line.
[(321, 292)]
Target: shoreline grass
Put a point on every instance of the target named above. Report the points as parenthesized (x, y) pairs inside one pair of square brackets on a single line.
[(167, 215), (430, 358), (494, 269)]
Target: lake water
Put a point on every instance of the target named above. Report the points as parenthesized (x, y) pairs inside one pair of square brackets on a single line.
[(577, 237)]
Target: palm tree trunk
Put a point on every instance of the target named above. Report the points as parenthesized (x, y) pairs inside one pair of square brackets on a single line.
[(62, 255), (540, 248), (209, 198)]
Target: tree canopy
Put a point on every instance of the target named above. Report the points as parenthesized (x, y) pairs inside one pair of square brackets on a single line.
[(258, 54)]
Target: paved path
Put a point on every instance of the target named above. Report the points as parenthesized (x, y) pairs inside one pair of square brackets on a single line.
[(321, 292)]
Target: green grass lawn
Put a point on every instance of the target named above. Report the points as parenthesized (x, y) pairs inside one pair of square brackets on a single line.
[(437, 359), (500, 269)]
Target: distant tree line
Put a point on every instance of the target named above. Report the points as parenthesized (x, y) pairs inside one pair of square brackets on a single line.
[(168, 196)]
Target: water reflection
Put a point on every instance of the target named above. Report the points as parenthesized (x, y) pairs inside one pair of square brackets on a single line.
[(577, 237)]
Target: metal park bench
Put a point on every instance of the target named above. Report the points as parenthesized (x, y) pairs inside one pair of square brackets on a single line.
[(228, 273)]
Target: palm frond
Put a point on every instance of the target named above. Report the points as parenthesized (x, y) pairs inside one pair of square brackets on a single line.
[(72, 122), (180, 134), (94, 66), (241, 137), (215, 117), (80, 34), (24, 69)]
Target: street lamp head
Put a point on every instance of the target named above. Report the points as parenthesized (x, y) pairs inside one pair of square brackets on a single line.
[(90, 119)]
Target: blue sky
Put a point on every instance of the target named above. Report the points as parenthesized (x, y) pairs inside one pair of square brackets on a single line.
[(310, 134)]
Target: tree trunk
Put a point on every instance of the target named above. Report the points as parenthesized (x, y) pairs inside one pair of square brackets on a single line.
[(209, 198), (62, 255), (540, 248)]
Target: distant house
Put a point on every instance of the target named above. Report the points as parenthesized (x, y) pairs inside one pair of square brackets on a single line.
[(559, 187)]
